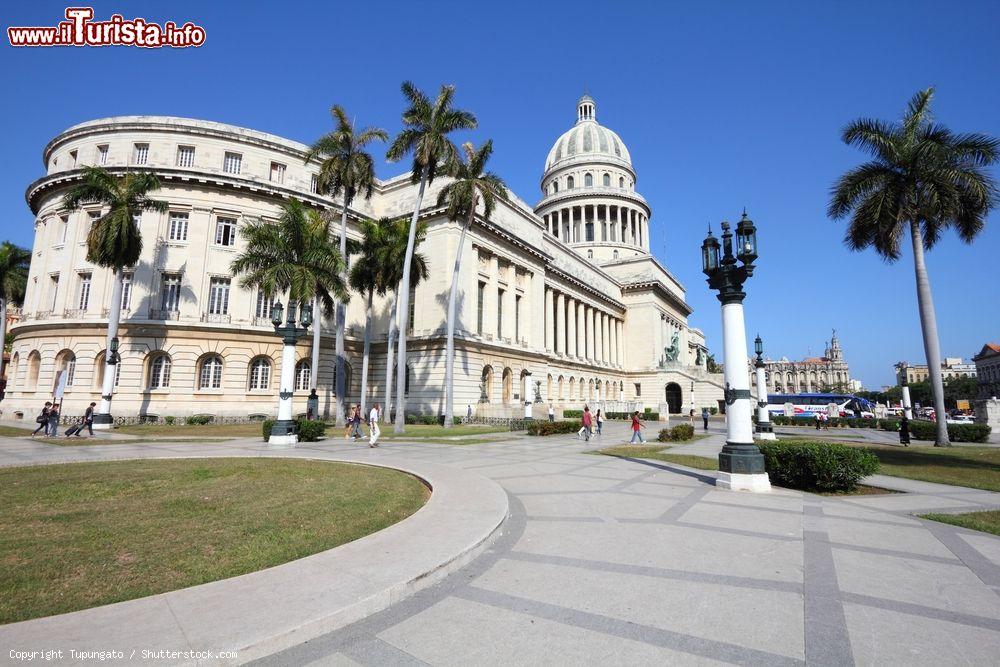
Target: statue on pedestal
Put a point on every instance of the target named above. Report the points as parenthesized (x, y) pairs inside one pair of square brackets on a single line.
[(671, 353)]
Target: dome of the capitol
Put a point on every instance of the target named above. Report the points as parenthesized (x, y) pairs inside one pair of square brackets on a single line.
[(587, 140)]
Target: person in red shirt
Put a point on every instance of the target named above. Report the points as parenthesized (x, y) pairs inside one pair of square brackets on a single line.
[(637, 427), (588, 423)]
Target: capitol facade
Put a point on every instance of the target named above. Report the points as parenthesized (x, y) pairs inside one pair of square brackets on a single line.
[(564, 299)]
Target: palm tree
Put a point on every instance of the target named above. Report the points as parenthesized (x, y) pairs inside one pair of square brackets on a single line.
[(923, 179), (346, 170), (14, 261), (461, 197), (425, 134), (367, 277), (391, 258), (114, 242)]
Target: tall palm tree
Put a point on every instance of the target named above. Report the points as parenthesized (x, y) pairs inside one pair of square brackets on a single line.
[(391, 258), (14, 261), (462, 196), (114, 242), (425, 135), (923, 179), (346, 170)]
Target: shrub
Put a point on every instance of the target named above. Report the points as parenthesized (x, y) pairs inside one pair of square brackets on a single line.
[(265, 429), (410, 419), (538, 427), (714, 411), (888, 424), (678, 433), (198, 420), (169, 421), (819, 466), (925, 430), (309, 430), (429, 420), (572, 414), (456, 421)]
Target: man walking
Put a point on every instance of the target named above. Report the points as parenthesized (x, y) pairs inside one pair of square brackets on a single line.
[(704, 418), (637, 427), (43, 419), (552, 413), (88, 421), (374, 432)]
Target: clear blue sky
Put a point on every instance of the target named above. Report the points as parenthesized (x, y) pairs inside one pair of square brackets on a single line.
[(722, 104)]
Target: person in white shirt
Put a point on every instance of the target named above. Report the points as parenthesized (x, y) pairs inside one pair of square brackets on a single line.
[(373, 420)]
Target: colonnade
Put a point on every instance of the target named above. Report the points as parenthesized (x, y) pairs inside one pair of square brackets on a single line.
[(577, 330), (599, 223)]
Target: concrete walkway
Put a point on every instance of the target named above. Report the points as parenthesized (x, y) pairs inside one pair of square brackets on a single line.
[(611, 561)]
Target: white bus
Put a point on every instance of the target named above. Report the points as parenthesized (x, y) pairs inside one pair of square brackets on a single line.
[(807, 405)]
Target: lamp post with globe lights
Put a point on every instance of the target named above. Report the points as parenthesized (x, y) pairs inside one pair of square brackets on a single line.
[(284, 433), (764, 429), (741, 465)]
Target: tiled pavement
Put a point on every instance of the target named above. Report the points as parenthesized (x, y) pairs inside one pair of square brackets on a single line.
[(616, 561)]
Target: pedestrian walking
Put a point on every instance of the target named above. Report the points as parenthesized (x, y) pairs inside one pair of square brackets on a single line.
[(588, 423), (600, 421), (552, 413), (468, 412), (88, 421), (704, 418), (373, 430), (819, 419), (637, 427), (53, 429), (43, 419)]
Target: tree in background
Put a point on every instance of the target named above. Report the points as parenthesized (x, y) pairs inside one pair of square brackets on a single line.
[(14, 263)]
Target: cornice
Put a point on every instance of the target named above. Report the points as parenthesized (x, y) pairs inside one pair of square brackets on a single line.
[(658, 287)]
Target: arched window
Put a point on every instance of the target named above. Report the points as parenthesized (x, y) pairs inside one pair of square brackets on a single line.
[(607, 180), (548, 387), (582, 384), (588, 180), (210, 373), (590, 254), (508, 385), (560, 384), (487, 380), (260, 373), (572, 387), (12, 372), (100, 363), (159, 371), (621, 182), (555, 186), (569, 182), (406, 381), (615, 254), (66, 363), (34, 363), (303, 375)]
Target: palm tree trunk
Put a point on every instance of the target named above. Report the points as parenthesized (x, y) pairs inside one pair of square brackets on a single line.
[(341, 388), (390, 350), (114, 315), (449, 368), (404, 307), (3, 335), (928, 326), (317, 325), (364, 359)]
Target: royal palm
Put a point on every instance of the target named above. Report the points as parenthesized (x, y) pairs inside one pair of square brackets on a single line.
[(14, 262), (425, 135), (346, 170), (114, 242), (922, 179), (461, 197)]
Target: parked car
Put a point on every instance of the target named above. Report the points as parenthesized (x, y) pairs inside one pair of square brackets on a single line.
[(961, 419)]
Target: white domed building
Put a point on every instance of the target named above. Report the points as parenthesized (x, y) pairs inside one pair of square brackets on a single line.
[(563, 303)]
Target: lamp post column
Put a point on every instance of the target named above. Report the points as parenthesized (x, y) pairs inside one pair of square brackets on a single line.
[(284, 433), (764, 428)]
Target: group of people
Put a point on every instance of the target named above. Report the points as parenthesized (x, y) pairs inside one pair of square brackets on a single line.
[(354, 424), (48, 420), (590, 420)]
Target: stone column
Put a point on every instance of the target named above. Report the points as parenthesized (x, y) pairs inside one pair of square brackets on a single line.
[(621, 343), (605, 347), (560, 341), (613, 341), (571, 328), (581, 330), (587, 319), (592, 323), (550, 314)]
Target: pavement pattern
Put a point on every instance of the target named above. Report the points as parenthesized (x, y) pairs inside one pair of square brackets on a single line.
[(629, 561)]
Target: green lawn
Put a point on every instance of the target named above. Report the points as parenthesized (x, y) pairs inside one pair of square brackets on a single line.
[(435, 431), (976, 467), (85, 441), (182, 430), (74, 536), (14, 432), (988, 521), (659, 453)]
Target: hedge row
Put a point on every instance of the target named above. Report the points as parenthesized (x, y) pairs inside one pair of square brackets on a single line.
[(539, 427), (679, 433), (309, 430), (924, 430), (817, 466)]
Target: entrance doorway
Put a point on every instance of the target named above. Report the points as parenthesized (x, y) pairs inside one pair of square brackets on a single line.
[(673, 398)]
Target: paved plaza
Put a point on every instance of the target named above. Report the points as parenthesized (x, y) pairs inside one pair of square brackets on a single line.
[(615, 561)]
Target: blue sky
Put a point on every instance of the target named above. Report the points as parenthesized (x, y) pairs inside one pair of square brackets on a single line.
[(722, 104)]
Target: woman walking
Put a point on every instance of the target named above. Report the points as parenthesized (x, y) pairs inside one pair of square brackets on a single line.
[(588, 423), (600, 422), (637, 427), (53, 429), (43, 420)]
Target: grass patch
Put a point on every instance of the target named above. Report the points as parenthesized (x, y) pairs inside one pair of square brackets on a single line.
[(987, 521), (89, 442), (74, 536), (974, 467), (14, 432), (659, 453), (183, 430)]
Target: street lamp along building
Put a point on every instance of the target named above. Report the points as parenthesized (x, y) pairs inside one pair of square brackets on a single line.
[(564, 298)]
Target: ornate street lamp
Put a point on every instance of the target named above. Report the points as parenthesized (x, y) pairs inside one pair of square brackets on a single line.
[(102, 418), (284, 433), (741, 465), (764, 429)]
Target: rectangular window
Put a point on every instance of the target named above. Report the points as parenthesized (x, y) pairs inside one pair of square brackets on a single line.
[(517, 317), (263, 307), (413, 309), (185, 156), (500, 296), (84, 301), (178, 226), (63, 229), (225, 231), (53, 290), (102, 154), (277, 172), (170, 292), (480, 298), (92, 217), (638, 390), (126, 290), (232, 163), (313, 183), (218, 296), (140, 153)]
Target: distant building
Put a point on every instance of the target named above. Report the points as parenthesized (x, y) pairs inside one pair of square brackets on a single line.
[(988, 370), (951, 367), (814, 374)]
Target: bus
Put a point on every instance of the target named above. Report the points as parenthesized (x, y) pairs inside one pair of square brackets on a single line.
[(807, 405)]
